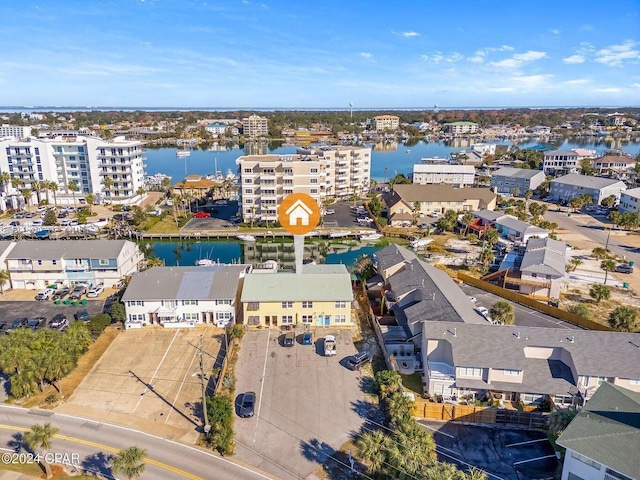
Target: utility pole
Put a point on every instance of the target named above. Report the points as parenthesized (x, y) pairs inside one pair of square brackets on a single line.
[(206, 427)]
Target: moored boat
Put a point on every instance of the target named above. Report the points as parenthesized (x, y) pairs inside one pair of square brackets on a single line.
[(246, 238)]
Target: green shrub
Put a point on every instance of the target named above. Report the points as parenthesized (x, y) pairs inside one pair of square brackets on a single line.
[(98, 323), (383, 222), (220, 416), (236, 332)]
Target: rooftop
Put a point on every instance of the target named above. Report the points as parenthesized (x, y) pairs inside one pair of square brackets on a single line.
[(545, 256), (36, 250), (586, 181), (410, 193), (516, 172)]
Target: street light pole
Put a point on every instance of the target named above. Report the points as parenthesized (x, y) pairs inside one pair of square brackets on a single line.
[(606, 246)]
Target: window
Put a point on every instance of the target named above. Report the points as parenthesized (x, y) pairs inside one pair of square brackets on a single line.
[(103, 261), (224, 302), (248, 191), (314, 170), (470, 372), (253, 320), (341, 304), (253, 306), (313, 180), (585, 460), (223, 316), (248, 180), (287, 319), (189, 302), (191, 316), (247, 170), (601, 380), (307, 318), (307, 304), (634, 381), (313, 190), (286, 305), (340, 319), (39, 262), (512, 372)]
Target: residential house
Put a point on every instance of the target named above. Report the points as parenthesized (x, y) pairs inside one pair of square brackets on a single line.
[(508, 226), (616, 119), (197, 187), (460, 128), (34, 265), (563, 189), (526, 364), (541, 130), (179, 297), (559, 162), (216, 129), (386, 122), (434, 199), (255, 126), (630, 200), (614, 165), (320, 295), (542, 270), (506, 180), (602, 442), (435, 173)]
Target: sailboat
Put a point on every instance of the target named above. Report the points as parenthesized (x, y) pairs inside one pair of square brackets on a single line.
[(183, 153)]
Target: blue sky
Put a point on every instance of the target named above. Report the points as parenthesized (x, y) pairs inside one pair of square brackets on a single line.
[(320, 54)]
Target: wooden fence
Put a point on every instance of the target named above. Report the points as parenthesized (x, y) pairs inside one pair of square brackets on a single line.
[(534, 304), (224, 367)]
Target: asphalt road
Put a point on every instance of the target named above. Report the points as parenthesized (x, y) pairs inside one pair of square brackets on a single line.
[(524, 316), (94, 443)]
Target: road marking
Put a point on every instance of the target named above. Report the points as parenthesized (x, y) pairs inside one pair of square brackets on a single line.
[(195, 352), (534, 459), (528, 441), (146, 388), (264, 372), (109, 449)]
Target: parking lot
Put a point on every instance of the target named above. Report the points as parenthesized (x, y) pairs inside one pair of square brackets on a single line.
[(149, 377), (504, 453), (10, 310), (220, 218), (345, 216), (307, 404)]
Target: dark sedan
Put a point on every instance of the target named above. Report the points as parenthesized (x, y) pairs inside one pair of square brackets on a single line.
[(246, 404)]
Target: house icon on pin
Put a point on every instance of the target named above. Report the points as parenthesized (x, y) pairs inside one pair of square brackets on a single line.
[(298, 213)]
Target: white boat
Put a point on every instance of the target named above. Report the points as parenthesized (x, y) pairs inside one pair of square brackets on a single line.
[(246, 238), (340, 233), (420, 243), (205, 262), (371, 236), (183, 153)]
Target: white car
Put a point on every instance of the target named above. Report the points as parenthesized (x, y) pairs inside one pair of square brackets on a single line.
[(331, 211), (472, 299), (484, 311), (44, 294), (95, 291), (434, 214)]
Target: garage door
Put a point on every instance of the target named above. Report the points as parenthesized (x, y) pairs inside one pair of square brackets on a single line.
[(19, 285)]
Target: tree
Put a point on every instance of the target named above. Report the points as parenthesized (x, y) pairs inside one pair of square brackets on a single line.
[(447, 222), (515, 192), (615, 217), (372, 446), (52, 187), (37, 186), (624, 318), (502, 312), (117, 312), (486, 257), (50, 218), (466, 219), (573, 264), (607, 265), (4, 277), (375, 205), (26, 193), (5, 178), (587, 167), (415, 213), (609, 201), (399, 179), (39, 438), (491, 235), (140, 191), (108, 183), (560, 419), (90, 198), (73, 188), (581, 309), (599, 292), (599, 253), (16, 183), (128, 462)]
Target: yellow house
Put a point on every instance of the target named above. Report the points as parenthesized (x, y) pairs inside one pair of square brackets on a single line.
[(320, 296)]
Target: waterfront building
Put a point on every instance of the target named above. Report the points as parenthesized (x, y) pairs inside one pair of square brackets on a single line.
[(460, 128), (322, 173), (216, 128), (630, 200), (618, 165), (561, 162), (319, 296), (386, 122), (564, 188), (183, 297), (255, 126), (87, 161), (506, 179), (18, 131), (435, 173)]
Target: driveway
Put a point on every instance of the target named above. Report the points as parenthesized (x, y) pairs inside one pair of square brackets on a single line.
[(9, 311), (220, 218), (345, 216), (307, 404)]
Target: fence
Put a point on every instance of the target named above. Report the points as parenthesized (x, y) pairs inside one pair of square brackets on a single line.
[(225, 365), (534, 304)]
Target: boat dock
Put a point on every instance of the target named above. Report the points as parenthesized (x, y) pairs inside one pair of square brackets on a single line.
[(258, 234)]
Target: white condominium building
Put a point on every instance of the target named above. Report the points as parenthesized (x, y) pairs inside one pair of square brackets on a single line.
[(18, 131), (254, 126), (434, 173), (386, 122), (87, 161), (322, 173)]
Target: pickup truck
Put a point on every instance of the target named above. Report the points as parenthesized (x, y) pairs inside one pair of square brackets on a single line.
[(330, 346)]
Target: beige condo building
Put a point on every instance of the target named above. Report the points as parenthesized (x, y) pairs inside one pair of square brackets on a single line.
[(322, 173), (254, 126), (386, 122)]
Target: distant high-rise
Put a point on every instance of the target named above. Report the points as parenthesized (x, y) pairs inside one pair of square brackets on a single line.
[(386, 122), (255, 126)]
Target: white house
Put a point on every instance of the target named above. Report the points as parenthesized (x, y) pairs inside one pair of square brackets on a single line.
[(180, 297), (434, 173), (630, 200), (568, 186)]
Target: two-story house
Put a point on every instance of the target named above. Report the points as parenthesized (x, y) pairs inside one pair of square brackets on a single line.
[(36, 264), (564, 188), (542, 271), (180, 297)]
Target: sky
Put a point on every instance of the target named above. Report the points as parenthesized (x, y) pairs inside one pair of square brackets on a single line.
[(320, 54)]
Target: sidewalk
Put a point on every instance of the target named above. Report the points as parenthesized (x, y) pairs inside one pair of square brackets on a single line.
[(9, 475)]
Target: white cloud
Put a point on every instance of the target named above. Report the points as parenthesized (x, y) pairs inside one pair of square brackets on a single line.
[(519, 59), (608, 90), (366, 55), (476, 59), (531, 81), (615, 55), (578, 81), (636, 85), (555, 31), (501, 89), (454, 57), (574, 59), (409, 34)]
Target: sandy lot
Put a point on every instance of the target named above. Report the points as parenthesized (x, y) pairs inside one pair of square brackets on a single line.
[(150, 378)]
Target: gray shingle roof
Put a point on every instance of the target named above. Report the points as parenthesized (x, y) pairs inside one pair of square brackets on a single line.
[(634, 192), (587, 181), (410, 193), (516, 172), (560, 152), (393, 255), (594, 353), (521, 227), (607, 430), (185, 283), (488, 215), (546, 256), (35, 249), (306, 286)]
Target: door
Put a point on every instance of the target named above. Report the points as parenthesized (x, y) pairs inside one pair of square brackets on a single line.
[(327, 320)]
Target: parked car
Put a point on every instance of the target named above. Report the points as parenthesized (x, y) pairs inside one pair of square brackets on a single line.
[(289, 339), (59, 321), (473, 299), (95, 291), (83, 316), (3, 328), (434, 214), (624, 268), (201, 215), (111, 299), (355, 362), (77, 293), (36, 323), (246, 404), (61, 293), (18, 323), (45, 294), (15, 223), (330, 211), (484, 311), (220, 202), (307, 338)]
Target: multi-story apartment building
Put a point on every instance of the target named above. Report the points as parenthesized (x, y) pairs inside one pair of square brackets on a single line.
[(18, 131), (615, 165), (34, 265), (460, 128), (560, 162), (254, 126), (630, 200), (435, 173), (507, 179), (325, 172), (111, 170), (568, 186), (386, 122)]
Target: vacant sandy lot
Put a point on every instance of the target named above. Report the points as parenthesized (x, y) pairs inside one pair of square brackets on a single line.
[(149, 378)]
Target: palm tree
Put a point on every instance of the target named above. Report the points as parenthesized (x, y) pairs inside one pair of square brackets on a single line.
[(129, 462), (39, 438), (371, 446), (415, 212), (72, 186), (502, 312), (26, 193), (58, 364), (4, 277), (37, 186), (108, 183), (52, 186), (607, 265), (466, 220), (140, 191), (573, 264), (5, 178), (599, 292)]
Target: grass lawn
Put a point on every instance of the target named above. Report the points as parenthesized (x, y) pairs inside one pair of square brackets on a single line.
[(166, 225), (413, 382)]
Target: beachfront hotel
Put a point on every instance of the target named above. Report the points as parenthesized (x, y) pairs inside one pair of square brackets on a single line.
[(322, 173), (87, 161)]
